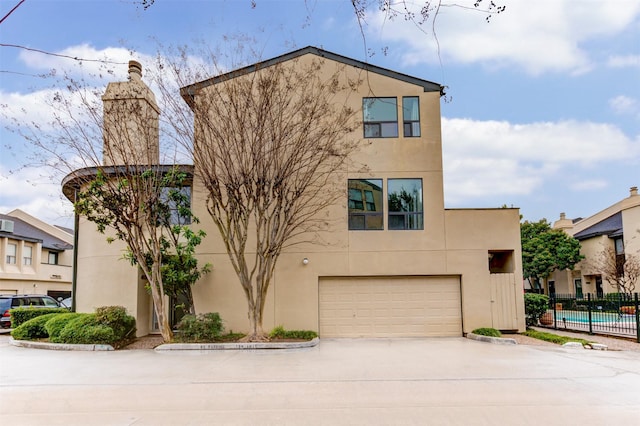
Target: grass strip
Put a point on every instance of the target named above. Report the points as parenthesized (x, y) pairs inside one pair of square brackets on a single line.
[(553, 338)]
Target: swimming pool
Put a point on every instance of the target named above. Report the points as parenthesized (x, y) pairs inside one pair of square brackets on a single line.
[(596, 317)]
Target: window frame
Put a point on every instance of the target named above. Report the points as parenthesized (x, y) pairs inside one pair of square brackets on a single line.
[(55, 255), (375, 122), (365, 213), (410, 224), (410, 121), (12, 259), (27, 260)]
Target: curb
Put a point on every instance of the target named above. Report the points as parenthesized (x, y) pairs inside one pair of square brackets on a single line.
[(495, 340), (58, 346), (234, 346)]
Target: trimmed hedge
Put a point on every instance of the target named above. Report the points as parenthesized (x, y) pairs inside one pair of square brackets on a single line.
[(86, 330), (56, 324), (122, 324), (33, 329), (280, 333), (23, 314)]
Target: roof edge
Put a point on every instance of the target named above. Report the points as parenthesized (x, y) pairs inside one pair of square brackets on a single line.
[(188, 92)]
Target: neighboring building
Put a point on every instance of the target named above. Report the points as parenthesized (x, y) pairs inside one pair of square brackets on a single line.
[(617, 227), (398, 263), (35, 257)]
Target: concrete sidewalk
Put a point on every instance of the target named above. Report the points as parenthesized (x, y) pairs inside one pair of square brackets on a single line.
[(341, 381)]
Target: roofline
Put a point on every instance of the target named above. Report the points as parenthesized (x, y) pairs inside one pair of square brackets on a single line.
[(75, 179), (188, 92)]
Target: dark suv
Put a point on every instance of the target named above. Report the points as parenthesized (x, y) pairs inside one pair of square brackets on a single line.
[(12, 301)]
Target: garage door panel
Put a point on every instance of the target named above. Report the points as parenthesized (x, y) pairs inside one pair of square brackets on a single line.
[(390, 306)]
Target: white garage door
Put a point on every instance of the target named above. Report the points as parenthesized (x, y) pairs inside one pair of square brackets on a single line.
[(390, 307)]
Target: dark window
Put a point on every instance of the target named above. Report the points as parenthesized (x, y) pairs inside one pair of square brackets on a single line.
[(380, 117), (53, 258), (176, 200), (365, 204), (405, 203), (411, 116)]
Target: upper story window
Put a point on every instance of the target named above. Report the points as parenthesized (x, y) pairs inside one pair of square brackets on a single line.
[(27, 255), (365, 204), (411, 116), (53, 258), (12, 249), (619, 245), (176, 199), (380, 117), (405, 204)]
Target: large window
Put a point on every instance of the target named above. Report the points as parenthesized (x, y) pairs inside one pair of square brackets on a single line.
[(27, 255), (411, 116), (380, 117), (405, 203), (12, 249), (365, 204)]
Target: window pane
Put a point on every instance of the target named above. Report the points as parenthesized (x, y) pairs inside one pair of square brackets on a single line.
[(11, 253), (365, 204), (26, 255), (53, 258), (411, 116), (380, 117), (380, 109), (405, 204)]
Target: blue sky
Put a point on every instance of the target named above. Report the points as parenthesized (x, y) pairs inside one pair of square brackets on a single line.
[(544, 101)]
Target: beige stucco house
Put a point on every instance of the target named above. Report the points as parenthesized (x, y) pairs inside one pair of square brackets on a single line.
[(394, 262), (35, 257), (616, 227)]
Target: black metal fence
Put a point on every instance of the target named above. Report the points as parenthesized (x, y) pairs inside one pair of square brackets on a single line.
[(613, 313)]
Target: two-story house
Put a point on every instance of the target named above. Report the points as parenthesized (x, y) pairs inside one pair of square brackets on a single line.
[(35, 257), (613, 231), (398, 263)]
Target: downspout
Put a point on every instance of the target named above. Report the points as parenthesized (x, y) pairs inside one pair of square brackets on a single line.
[(76, 232)]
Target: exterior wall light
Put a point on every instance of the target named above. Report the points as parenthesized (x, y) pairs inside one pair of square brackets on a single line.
[(305, 261)]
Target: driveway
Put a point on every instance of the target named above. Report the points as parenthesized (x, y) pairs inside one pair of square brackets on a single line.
[(437, 381)]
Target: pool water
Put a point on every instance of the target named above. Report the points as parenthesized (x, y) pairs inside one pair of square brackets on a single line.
[(596, 316)]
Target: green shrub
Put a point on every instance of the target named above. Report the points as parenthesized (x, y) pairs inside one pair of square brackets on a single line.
[(535, 305), (56, 324), (23, 314), (485, 331), (85, 329), (280, 333), (33, 329), (202, 328), (122, 324)]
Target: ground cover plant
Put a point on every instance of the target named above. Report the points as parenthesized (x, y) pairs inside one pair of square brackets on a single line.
[(486, 331), (553, 338)]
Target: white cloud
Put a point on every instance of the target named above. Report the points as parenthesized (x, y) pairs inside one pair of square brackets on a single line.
[(625, 105), (36, 193), (540, 36), (588, 185), (493, 158)]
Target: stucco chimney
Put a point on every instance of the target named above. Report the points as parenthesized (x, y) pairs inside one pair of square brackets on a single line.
[(135, 70), (633, 191), (131, 117), (563, 216)]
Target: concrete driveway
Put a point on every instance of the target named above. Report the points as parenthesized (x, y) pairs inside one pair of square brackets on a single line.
[(447, 381)]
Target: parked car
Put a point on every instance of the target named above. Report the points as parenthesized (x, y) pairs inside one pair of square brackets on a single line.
[(66, 303), (8, 302)]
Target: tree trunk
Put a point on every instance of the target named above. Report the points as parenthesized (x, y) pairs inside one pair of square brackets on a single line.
[(256, 333)]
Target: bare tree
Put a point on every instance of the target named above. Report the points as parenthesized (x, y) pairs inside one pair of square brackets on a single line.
[(108, 146), (620, 270), (269, 142)]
